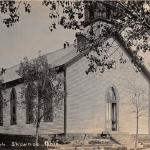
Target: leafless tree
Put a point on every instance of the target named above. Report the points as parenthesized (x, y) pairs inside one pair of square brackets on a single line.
[(139, 105)]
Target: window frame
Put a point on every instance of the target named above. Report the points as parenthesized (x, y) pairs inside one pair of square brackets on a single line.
[(13, 104)]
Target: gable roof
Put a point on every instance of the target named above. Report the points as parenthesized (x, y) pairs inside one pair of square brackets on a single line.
[(68, 56), (129, 52), (56, 58)]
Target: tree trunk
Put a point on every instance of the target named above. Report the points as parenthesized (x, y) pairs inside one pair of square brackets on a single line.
[(137, 130), (38, 120), (37, 136)]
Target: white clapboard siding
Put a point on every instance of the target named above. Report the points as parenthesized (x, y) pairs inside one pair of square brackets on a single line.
[(86, 97)]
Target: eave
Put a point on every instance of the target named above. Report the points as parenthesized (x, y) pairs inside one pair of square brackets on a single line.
[(18, 81), (63, 67)]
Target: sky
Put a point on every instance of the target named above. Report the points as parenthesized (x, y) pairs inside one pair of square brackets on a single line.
[(30, 35)]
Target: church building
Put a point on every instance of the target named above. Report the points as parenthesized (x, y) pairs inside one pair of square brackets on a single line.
[(94, 103)]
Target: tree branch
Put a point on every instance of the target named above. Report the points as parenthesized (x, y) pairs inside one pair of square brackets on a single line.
[(124, 9), (87, 23), (134, 16)]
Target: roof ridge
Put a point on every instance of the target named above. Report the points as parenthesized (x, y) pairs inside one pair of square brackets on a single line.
[(58, 50), (61, 49), (12, 66)]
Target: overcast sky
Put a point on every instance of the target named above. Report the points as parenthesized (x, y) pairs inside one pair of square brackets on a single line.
[(32, 34), (29, 36)]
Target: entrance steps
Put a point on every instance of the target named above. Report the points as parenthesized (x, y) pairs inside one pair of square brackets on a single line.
[(145, 140), (127, 140)]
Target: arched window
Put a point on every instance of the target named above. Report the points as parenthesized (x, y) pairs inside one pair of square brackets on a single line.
[(29, 105), (48, 110), (112, 109), (1, 109), (13, 107), (48, 102), (111, 95)]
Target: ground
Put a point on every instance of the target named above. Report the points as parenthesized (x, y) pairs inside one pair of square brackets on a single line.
[(94, 143)]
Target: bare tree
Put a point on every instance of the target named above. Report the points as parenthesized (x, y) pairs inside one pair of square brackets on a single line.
[(139, 104), (42, 90)]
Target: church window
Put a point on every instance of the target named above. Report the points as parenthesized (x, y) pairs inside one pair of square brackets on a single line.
[(29, 105), (1, 109), (48, 110), (112, 109), (13, 107)]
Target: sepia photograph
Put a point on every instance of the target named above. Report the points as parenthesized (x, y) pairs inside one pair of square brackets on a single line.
[(75, 75)]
